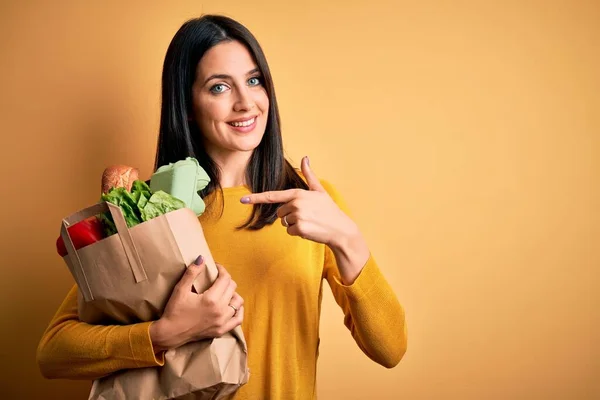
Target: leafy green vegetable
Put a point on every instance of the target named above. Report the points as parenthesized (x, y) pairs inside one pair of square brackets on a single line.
[(139, 205), (160, 203), (126, 200), (142, 188)]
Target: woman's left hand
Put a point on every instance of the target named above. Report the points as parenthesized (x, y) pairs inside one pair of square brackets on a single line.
[(311, 214)]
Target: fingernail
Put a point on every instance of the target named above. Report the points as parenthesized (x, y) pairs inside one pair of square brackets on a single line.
[(307, 161), (199, 260), (245, 200)]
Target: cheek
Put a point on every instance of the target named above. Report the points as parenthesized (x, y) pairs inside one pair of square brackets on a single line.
[(262, 101), (210, 112)]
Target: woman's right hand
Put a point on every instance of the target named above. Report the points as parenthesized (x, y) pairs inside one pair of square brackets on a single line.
[(190, 316)]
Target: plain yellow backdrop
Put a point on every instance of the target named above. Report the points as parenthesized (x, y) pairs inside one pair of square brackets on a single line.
[(464, 135)]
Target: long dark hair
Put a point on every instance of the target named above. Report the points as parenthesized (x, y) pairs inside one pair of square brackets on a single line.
[(180, 136)]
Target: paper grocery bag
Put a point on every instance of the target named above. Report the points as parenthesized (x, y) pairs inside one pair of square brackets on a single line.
[(193, 362), (127, 278)]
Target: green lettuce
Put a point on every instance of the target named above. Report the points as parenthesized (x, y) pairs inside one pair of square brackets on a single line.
[(138, 206)]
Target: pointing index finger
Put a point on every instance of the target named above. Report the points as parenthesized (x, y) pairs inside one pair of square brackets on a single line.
[(276, 196)]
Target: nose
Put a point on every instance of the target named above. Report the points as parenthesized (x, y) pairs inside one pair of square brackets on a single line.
[(244, 101)]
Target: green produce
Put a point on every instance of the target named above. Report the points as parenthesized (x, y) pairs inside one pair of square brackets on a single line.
[(139, 205)]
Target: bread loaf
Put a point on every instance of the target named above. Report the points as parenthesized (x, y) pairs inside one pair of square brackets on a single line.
[(119, 176)]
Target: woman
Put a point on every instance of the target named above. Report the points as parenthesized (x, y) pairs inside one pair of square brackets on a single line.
[(218, 105)]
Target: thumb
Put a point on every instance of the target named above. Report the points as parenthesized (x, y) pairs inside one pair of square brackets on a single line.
[(311, 178), (190, 275)]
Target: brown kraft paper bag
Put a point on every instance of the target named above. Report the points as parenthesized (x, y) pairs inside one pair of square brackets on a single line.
[(128, 278)]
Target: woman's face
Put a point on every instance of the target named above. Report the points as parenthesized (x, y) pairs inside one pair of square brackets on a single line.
[(230, 102)]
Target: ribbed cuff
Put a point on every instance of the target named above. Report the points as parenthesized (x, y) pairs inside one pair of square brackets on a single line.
[(367, 279), (133, 346), (141, 346)]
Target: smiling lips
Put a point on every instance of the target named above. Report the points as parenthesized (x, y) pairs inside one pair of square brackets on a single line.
[(240, 124)]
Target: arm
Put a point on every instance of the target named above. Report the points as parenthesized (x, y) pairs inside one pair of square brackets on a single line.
[(372, 312), (71, 349)]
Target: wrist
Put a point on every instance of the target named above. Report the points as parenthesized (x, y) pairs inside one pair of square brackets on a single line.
[(351, 253), (346, 239), (161, 339)]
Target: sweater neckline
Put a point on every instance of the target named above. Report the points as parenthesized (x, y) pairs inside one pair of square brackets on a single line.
[(242, 189)]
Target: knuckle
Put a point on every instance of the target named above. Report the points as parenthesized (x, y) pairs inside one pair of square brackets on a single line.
[(227, 280), (223, 318), (210, 301), (221, 330), (178, 286)]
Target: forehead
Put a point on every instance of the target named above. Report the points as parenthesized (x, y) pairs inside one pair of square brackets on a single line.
[(231, 58)]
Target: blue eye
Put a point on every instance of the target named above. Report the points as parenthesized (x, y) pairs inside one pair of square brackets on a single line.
[(255, 81), (218, 88)]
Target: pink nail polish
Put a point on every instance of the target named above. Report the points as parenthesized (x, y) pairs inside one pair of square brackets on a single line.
[(245, 200)]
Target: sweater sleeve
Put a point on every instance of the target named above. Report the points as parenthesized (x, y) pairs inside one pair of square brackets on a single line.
[(371, 309), (71, 349)]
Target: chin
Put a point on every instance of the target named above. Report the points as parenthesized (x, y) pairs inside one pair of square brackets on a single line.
[(250, 142), (249, 146), (242, 144)]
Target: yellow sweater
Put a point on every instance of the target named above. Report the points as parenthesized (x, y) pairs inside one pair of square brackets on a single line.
[(280, 278)]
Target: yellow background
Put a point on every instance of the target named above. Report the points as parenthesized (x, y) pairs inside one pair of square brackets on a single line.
[(463, 134)]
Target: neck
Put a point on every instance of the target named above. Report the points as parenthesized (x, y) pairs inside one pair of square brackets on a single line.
[(233, 167)]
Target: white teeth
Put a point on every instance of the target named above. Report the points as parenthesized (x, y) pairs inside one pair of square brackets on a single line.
[(243, 123)]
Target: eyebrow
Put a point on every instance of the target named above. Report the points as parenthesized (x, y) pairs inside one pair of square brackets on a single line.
[(225, 76)]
